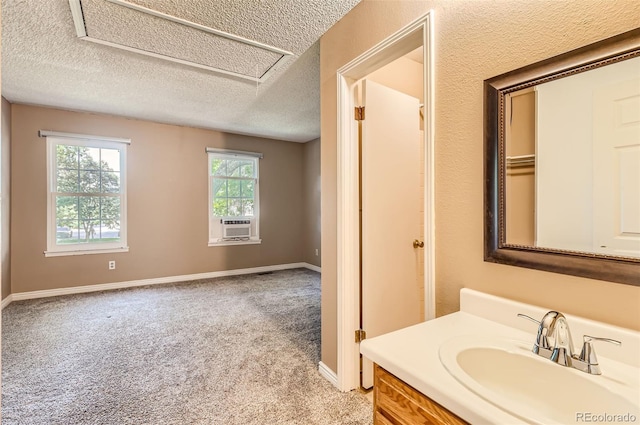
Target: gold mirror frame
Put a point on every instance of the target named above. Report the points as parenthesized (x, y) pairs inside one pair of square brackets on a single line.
[(596, 266)]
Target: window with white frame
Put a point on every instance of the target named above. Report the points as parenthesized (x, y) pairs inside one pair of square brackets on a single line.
[(234, 202), (86, 187)]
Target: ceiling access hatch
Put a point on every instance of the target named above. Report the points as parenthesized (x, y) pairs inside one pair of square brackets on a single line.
[(138, 29)]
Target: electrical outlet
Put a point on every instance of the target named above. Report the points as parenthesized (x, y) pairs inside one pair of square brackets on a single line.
[(112, 265), (316, 252)]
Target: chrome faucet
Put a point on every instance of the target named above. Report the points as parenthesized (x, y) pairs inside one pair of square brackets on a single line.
[(560, 335), (554, 342)]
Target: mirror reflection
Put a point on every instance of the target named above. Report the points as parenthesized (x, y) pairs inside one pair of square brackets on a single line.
[(572, 148)]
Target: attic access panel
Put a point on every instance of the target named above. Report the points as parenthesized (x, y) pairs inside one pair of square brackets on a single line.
[(131, 27)]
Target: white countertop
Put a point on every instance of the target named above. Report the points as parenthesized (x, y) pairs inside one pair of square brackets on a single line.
[(412, 354)]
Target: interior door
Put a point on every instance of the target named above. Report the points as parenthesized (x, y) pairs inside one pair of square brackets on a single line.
[(392, 193), (616, 139)]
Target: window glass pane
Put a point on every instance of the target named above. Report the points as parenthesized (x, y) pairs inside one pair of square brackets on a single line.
[(220, 207), (89, 208), (110, 210), (235, 207), (218, 167), (110, 182), (247, 207), (89, 158), (89, 231), (67, 157), (233, 180), (247, 188), (84, 219), (247, 169), (219, 188), (66, 231), (95, 177), (67, 181), (233, 168), (89, 181), (110, 159), (234, 188), (66, 208), (108, 231)]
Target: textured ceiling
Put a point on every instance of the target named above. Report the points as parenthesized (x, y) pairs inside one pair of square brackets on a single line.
[(45, 63)]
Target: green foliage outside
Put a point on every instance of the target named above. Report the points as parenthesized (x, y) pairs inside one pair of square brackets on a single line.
[(81, 204), (233, 187)]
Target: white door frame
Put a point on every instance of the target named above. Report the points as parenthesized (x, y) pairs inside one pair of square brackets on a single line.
[(418, 32)]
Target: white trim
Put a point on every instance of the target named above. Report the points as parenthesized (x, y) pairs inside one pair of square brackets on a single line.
[(430, 165), (348, 244), (328, 374), (313, 267), (47, 133), (231, 243), (203, 28), (233, 153), (86, 252), (7, 300), (176, 60), (17, 296), (78, 19), (406, 39), (81, 32)]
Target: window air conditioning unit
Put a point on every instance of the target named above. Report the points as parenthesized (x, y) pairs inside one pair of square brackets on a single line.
[(233, 228)]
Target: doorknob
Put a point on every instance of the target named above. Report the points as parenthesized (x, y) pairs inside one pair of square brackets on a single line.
[(418, 244)]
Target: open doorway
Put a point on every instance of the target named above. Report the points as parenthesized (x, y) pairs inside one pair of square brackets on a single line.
[(417, 35)]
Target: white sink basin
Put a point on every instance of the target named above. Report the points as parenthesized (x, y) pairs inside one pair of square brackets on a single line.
[(507, 374)]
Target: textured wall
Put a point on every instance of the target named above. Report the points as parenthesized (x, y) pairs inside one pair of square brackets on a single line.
[(474, 40), (311, 203), (167, 202), (42, 49), (5, 195)]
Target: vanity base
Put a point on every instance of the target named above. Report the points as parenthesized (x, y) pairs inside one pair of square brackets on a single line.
[(396, 403)]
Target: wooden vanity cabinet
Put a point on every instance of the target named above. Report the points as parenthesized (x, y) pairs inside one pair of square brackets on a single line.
[(396, 403)]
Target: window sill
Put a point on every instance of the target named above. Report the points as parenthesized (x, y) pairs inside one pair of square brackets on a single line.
[(85, 252), (230, 243)]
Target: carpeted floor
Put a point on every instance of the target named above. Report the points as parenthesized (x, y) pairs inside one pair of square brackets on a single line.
[(236, 350)]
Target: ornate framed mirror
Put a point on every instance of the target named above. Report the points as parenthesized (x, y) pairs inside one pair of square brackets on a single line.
[(562, 163)]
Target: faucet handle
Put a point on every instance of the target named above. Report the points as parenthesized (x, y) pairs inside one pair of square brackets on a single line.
[(541, 339), (588, 338), (524, 316), (588, 354)]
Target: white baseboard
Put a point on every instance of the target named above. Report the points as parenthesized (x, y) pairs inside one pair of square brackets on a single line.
[(328, 374), (17, 296), (312, 267), (7, 301)]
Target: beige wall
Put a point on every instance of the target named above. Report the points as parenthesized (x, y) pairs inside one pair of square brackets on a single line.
[(311, 202), (167, 202), (403, 75), (5, 195), (474, 40)]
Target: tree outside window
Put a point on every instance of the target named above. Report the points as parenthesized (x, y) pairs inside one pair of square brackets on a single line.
[(233, 186), (83, 205), (86, 195), (233, 194)]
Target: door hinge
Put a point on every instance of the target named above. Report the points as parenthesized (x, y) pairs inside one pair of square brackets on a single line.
[(360, 335), (359, 113)]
